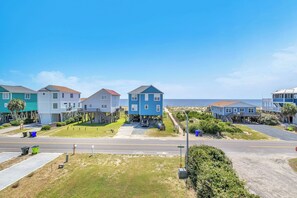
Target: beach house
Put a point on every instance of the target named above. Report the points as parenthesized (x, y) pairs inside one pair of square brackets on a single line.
[(279, 98), (103, 106), (7, 93), (233, 111), (57, 103), (145, 102)]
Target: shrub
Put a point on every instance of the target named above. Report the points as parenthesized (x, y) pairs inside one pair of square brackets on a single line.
[(69, 121), (193, 127), (212, 175), (16, 122), (210, 127), (268, 119), (6, 125), (59, 124), (1, 127), (292, 128), (228, 127), (28, 121), (45, 128)]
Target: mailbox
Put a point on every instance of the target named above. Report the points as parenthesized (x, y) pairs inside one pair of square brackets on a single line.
[(182, 173)]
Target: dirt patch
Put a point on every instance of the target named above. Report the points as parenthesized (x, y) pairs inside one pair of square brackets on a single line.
[(293, 164), (13, 161), (266, 175)]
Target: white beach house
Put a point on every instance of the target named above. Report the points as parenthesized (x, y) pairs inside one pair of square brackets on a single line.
[(102, 106), (54, 102)]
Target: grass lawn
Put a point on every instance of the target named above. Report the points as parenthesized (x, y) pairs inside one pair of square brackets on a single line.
[(169, 129), (104, 176), (293, 164), (85, 130), (248, 134), (18, 131)]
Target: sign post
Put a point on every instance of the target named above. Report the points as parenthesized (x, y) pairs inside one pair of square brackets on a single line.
[(180, 156)]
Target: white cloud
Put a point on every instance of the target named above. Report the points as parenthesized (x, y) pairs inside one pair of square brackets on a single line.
[(260, 79)]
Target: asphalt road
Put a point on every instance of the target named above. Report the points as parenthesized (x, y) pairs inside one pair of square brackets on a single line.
[(274, 132), (143, 146)]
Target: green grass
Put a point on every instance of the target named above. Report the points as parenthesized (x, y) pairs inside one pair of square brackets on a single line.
[(85, 130), (169, 129), (18, 131), (118, 176), (248, 134), (293, 164)]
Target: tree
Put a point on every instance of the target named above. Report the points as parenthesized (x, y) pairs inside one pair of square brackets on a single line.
[(15, 106), (289, 109)]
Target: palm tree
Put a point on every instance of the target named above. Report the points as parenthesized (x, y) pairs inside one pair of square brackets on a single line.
[(289, 110), (15, 106)]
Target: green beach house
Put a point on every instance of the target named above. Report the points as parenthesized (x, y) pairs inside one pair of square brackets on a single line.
[(8, 93)]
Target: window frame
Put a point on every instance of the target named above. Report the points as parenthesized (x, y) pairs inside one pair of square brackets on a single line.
[(5, 94), (55, 103)]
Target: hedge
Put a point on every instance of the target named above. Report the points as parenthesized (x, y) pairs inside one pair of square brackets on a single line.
[(45, 128), (6, 125), (212, 175), (16, 122), (59, 124)]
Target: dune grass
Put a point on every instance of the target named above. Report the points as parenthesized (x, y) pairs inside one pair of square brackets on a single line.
[(248, 134), (104, 176)]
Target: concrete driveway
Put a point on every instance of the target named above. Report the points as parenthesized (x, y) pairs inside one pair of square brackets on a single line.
[(274, 132)]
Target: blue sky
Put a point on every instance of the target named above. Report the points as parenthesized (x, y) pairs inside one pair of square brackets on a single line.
[(188, 49)]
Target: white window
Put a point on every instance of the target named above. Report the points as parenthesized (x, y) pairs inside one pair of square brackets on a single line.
[(27, 96), (134, 97), (295, 96), (55, 95), (146, 107), (71, 95), (228, 110), (251, 110), (146, 97), (55, 105), (5, 96), (157, 97), (235, 110), (158, 108), (62, 95), (103, 106), (73, 105), (134, 107), (104, 97), (90, 105), (241, 109), (5, 105)]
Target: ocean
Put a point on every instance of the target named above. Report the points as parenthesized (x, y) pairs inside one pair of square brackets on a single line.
[(197, 102)]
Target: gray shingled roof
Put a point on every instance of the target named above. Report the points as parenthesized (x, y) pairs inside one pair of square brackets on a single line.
[(139, 89), (17, 89)]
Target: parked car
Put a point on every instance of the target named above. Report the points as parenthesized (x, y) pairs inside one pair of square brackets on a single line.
[(145, 123)]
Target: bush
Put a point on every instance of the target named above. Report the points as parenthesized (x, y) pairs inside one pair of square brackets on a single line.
[(212, 175), (28, 121), (69, 121), (1, 127), (45, 128), (268, 119), (6, 125), (211, 127), (228, 127), (16, 122), (59, 124)]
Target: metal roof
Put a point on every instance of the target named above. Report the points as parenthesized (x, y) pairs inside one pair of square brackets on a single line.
[(17, 89), (286, 91)]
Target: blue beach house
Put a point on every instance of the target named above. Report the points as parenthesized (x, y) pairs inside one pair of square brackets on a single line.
[(145, 102), (233, 111), (7, 93)]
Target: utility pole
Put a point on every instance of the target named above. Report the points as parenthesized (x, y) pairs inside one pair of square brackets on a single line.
[(187, 145)]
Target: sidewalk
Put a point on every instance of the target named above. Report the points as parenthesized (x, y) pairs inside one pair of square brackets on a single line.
[(16, 172)]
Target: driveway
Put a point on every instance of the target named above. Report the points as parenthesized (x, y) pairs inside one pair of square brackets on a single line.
[(274, 132), (129, 130)]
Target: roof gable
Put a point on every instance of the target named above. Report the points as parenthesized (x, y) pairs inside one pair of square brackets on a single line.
[(112, 92), (16, 89), (146, 89), (108, 91)]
